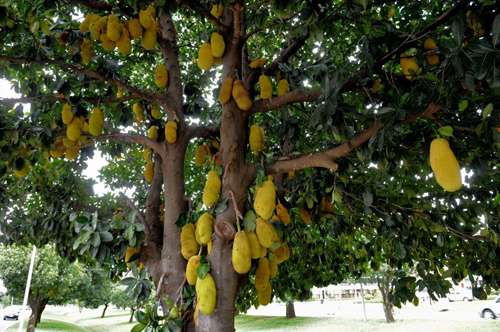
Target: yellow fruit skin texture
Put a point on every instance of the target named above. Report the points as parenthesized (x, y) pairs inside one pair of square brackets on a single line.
[(265, 199), (430, 44), (161, 76), (265, 232), (255, 250), (73, 130), (155, 111), (241, 96), (146, 17), (206, 294), (146, 154), (189, 246), (225, 90), (209, 247), (98, 27), (67, 114), (409, 66), (149, 39), (171, 131), (282, 253), (273, 267), (262, 274), (217, 44), (211, 191), (138, 112), (217, 10), (114, 28), (256, 139), (149, 171), (305, 216), (257, 63), (89, 18), (135, 28), (21, 173), (266, 87), (191, 267), (204, 228), (201, 154), (205, 57), (129, 253), (241, 255), (153, 133), (282, 87), (96, 122), (432, 59), (86, 51), (123, 44), (283, 214), (264, 295), (71, 153), (444, 165)]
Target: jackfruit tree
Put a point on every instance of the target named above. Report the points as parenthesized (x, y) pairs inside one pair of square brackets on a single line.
[(282, 144)]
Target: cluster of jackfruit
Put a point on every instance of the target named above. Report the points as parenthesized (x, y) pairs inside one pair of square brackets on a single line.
[(266, 86), (211, 53), (444, 165), (409, 65), (236, 89), (431, 48), (112, 33), (149, 169)]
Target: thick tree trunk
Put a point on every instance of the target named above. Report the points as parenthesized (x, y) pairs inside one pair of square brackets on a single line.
[(132, 312), (290, 309), (104, 310), (384, 285), (37, 306)]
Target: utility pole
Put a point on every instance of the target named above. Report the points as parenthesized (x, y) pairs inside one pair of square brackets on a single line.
[(27, 290)]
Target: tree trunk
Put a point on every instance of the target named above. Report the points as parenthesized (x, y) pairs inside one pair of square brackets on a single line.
[(132, 312), (384, 285), (104, 310), (290, 309), (37, 306)]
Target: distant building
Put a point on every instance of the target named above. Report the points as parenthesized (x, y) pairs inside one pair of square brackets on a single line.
[(344, 291), (3, 290)]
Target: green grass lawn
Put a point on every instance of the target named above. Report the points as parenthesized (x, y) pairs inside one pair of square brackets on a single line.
[(53, 326)]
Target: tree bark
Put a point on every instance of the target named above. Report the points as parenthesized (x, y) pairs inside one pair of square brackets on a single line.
[(290, 309), (104, 310), (37, 306), (384, 285), (132, 312)]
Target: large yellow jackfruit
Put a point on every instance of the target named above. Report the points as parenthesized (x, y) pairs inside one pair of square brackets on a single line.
[(432, 57), (96, 122), (262, 274), (161, 75), (211, 191), (71, 153), (444, 165), (256, 138), (67, 114), (138, 112), (305, 216), (171, 131), (107, 43), (191, 267), (155, 111), (255, 249), (241, 96), (201, 154), (73, 131), (204, 228), (265, 232), (146, 16), (257, 63), (283, 87), (153, 133), (241, 255), (225, 90), (114, 28), (265, 199), (149, 171), (149, 39), (217, 10), (266, 87), (282, 253), (129, 253), (85, 24), (123, 44), (430, 44), (264, 295), (263, 251), (217, 44), (134, 28), (283, 214), (98, 27), (206, 294), (273, 266), (86, 51), (409, 66), (67, 143), (189, 246), (147, 154), (205, 57)]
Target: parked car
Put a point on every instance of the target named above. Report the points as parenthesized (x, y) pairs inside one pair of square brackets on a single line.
[(13, 312), (491, 310), (462, 294)]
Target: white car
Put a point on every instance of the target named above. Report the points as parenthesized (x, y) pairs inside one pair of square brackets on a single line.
[(491, 310), (463, 294), (13, 312)]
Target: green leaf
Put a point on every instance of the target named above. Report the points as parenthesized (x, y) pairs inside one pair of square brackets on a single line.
[(106, 236), (446, 131), (249, 221), (141, 317), (487, 110), (203, 268), (462, 105), (138, 328)]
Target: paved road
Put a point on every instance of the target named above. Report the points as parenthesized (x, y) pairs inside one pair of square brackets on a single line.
[(5, 324)]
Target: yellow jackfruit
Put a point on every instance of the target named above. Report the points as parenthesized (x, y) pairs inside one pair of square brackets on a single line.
[(161, 75), (211, 191), (241, 255), (171, 131), (265, 232), (241, 96), (189, 246), (305, 216), (263, 251), (256, 138), (206, 294), (86, 51), (262, 274), (73, 131), (67, 143), (409, 66), (204, 228), (96, 122), (217, 10), (273, 266), (71, 153), (114, 28), (445, 165), (266, 87), (147, 154), (22, 168), (67, 114), (201, 154), (153, 133), (89, 18), (138, 112), (264, 295), (210, 245), (129, 253), (217, 44), (326, 205), (430, 44), (265, 199), (146, 17), (257, 63), (149, 171), (123, 44), (155, 111), (191, 267), (283, 214), (218, 61), (134, 28), (432, 59), (149, 39), (225, 90), (205, 57), (255, 248), (98, 27), (107, 43), (283, 87), (282, 253)]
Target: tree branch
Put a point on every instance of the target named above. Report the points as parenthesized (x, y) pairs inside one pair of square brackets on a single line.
[(152, 218), (202, 132), (157, 147), (55, 98), (102, 6), (293, 47), (295, 96)]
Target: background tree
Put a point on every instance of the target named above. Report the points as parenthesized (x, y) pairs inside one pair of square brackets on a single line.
[(98, 292), (365, 93)]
